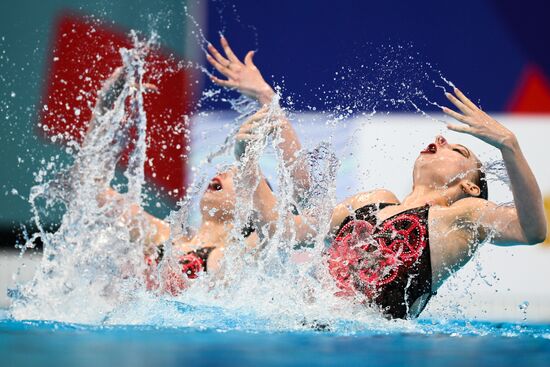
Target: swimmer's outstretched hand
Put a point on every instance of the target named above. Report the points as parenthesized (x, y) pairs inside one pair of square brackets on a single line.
[(243, 76), (478, 123)]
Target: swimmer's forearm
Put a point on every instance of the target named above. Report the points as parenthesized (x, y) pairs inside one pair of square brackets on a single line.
[(291, 150), (265, 204), (108, 95), (527, 195), (265, 94), (294, 159), (142, 225)]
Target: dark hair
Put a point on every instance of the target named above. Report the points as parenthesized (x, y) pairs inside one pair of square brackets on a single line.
[(482, 184), (250, 227)]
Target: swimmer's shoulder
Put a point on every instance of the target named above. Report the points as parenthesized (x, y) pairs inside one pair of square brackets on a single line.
[(214, 259), (469, 209), (351, 204), (377, 196)]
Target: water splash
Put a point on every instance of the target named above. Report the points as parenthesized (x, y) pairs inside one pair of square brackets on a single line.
[(92, 268), (90, 265)]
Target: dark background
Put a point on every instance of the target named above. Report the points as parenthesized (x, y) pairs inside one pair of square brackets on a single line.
[(487, 47)]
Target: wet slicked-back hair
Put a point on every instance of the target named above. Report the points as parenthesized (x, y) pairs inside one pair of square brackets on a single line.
[(250, 227), (482, 184)]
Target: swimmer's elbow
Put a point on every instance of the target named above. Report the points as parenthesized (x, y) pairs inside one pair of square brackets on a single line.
[(536, 235), (537, 238)]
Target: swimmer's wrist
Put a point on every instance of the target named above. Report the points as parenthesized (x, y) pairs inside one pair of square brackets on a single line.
[(265, 94), (509, 145)]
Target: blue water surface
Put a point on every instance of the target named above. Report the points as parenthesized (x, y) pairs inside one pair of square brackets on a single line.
[(456, 343)]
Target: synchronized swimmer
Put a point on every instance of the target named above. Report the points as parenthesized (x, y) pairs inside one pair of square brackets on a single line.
[(385, 252), (396, 254)]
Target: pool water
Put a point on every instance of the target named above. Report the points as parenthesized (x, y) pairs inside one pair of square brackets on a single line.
[(456, 343)]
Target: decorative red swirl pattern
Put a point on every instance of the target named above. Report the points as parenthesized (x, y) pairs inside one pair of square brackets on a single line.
[(364, 258), (191, 265)]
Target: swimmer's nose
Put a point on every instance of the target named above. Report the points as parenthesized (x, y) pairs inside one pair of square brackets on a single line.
[(440, 140)]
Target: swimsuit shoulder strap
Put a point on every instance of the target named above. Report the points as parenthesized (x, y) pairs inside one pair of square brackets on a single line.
[(366, 213)]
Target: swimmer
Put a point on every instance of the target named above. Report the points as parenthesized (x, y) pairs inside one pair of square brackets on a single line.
[(247, 79), (394, 254), (200, 252)]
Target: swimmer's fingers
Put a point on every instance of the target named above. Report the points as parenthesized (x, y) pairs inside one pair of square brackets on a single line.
[(261, 118), (215, 63), (223, 83), (264, 112), (250, 124), (217, 55), (471, 105), (228, 51), (115, 80), (150, 88), (119, 72), (245, 136), (147, 87), (461, 106), (222, 69), (456, 115), (250, 127), (248, 59), (255, 121), (461, 129)]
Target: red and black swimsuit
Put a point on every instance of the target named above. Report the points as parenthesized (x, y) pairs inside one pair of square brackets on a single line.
[(388, 262), (193, 262)]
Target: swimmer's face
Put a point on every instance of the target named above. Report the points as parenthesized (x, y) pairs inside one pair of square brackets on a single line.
[(219, 198), (445, 165)]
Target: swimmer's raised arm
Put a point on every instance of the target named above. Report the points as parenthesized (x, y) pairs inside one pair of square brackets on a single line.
[(110, 91), (246, 78), (289, 144), (148, 229), (265, 202), (242, 76), (525, 222)]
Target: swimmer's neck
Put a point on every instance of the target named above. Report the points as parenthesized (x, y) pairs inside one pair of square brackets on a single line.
[(422, 195)]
